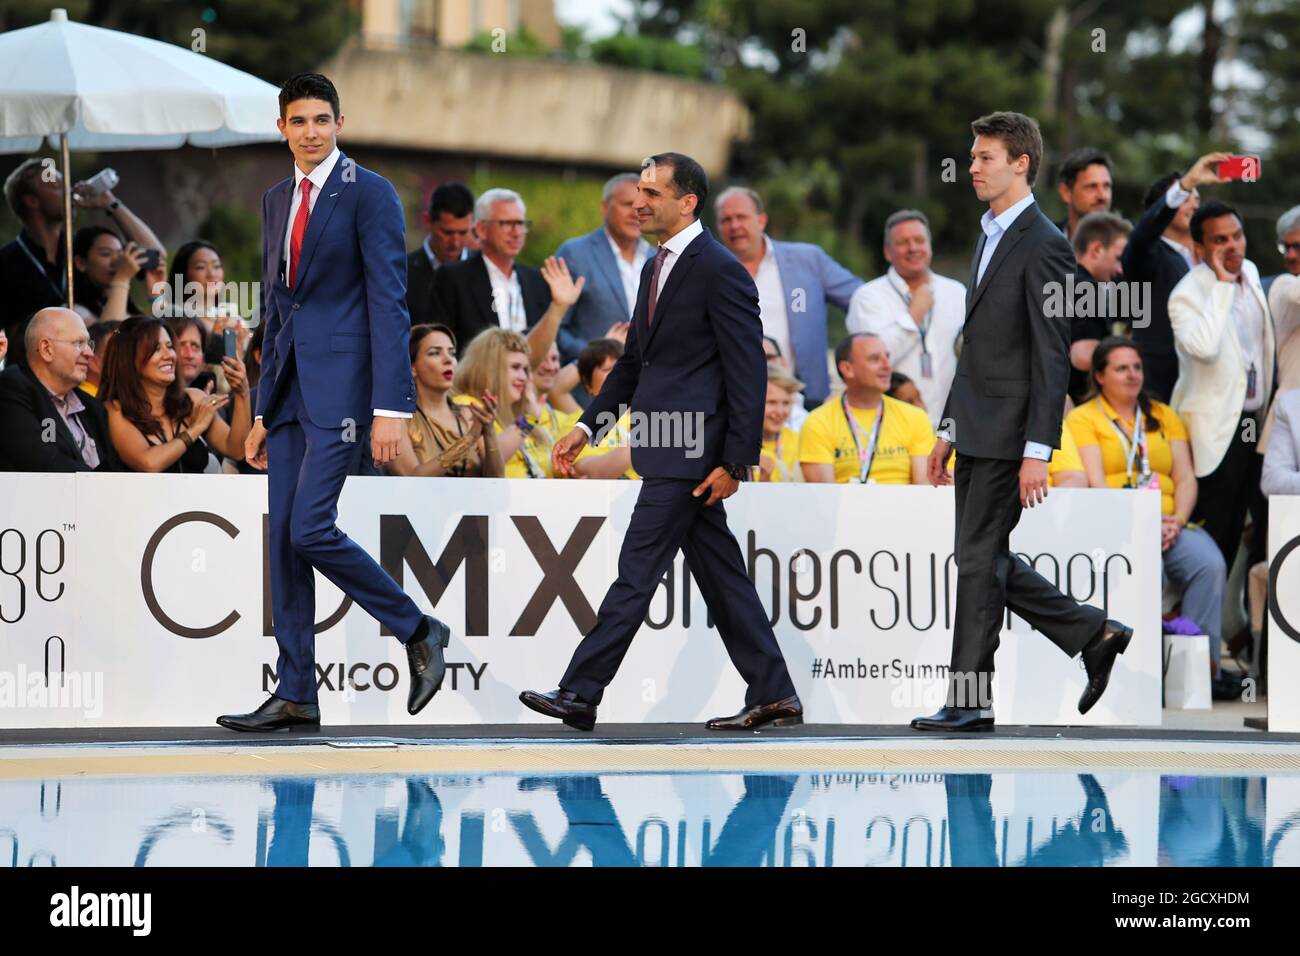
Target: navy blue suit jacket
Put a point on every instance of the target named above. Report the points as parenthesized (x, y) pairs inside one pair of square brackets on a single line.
[(345, 321), (702, 354)]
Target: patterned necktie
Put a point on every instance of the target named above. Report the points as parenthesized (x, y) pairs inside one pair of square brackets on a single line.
[(299, 230), (660, 257)]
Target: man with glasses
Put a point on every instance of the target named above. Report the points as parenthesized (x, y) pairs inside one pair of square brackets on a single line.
[(47, 423), (490, 289), (1283, 293)]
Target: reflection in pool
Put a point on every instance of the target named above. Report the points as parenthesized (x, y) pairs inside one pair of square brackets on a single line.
[(655, 819)]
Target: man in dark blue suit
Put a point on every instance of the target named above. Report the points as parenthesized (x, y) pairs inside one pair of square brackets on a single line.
[(704, 381), (334, 355)]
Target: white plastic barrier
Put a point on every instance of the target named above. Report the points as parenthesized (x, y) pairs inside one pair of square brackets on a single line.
[(145, 599), (1284, 614)]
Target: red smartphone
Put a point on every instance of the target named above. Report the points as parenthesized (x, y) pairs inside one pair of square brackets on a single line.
[(1240, 167)]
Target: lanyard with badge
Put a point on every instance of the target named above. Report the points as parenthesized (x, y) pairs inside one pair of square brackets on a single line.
[(63, 278), (1246, 339), (781, 466), (865, 455), (1137, 459), (927, 366)]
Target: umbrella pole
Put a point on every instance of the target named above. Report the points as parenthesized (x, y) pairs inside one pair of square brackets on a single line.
[(67, 214)]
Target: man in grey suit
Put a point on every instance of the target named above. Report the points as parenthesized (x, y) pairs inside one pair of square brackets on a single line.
[(1004, 417), (795, 280), (1282, 459), (611, 258)]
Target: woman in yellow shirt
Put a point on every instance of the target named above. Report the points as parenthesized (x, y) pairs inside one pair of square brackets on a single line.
[(779, 459), (1128, 440), (496, 362), (611, 457)]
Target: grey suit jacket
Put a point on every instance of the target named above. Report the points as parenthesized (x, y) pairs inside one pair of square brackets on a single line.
[(1282, 459), (603, 301), (1015, 362)]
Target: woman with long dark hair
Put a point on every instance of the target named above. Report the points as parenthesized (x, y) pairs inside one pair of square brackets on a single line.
[(158, 425), (1129, 440), (198, 270), (443, 438)]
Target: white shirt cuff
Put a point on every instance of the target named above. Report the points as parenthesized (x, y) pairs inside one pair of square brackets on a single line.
[(1176, 195), (1037, 450), (584, 428), (385, 413)]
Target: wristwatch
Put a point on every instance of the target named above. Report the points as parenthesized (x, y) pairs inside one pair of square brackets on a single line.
[(739, 472)]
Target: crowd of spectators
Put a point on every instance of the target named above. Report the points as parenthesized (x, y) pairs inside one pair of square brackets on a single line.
[(1189, 384)]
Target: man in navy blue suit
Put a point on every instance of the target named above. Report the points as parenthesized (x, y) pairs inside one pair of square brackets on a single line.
[(706, 368), (334, 356)]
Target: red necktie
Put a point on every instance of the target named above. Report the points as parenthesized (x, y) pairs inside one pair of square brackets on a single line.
[(299, 230)]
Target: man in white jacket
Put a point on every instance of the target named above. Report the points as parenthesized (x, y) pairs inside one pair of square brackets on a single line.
[(1223, 335)]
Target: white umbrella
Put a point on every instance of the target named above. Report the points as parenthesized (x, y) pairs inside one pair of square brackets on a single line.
[(90, 89)]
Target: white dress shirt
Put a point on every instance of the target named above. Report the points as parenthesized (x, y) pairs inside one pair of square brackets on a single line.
[(628, 272), (881, 308), (434, 263), (507, 297), (995, 228), (771, 299), (317, 177), (1249, 319), (675, 247), (1175, 196)]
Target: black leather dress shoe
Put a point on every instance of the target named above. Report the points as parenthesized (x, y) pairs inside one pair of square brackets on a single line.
[(957, 720), (1227, 686), (784, 713), (428, 667), (563, 705), (1099, 657), (276, 714)]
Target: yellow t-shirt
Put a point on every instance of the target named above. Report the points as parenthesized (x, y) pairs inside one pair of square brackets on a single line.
[(1091, 425), (556, 422), (616, 437), (788, 467), (533, 459), (1065, 458), (905, 433)]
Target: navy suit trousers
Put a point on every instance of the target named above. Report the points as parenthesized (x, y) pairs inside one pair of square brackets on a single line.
[(667, 517), (306, 467)]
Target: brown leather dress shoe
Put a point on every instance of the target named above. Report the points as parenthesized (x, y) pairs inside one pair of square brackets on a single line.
[(783, 713), (563, 705)]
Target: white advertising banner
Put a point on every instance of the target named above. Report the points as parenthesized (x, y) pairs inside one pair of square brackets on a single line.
[(157, 589), (1284, 613)]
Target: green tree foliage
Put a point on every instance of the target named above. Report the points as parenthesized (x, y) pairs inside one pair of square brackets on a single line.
[(270, 40), (653, 54), (862, 106), (521, 43)]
